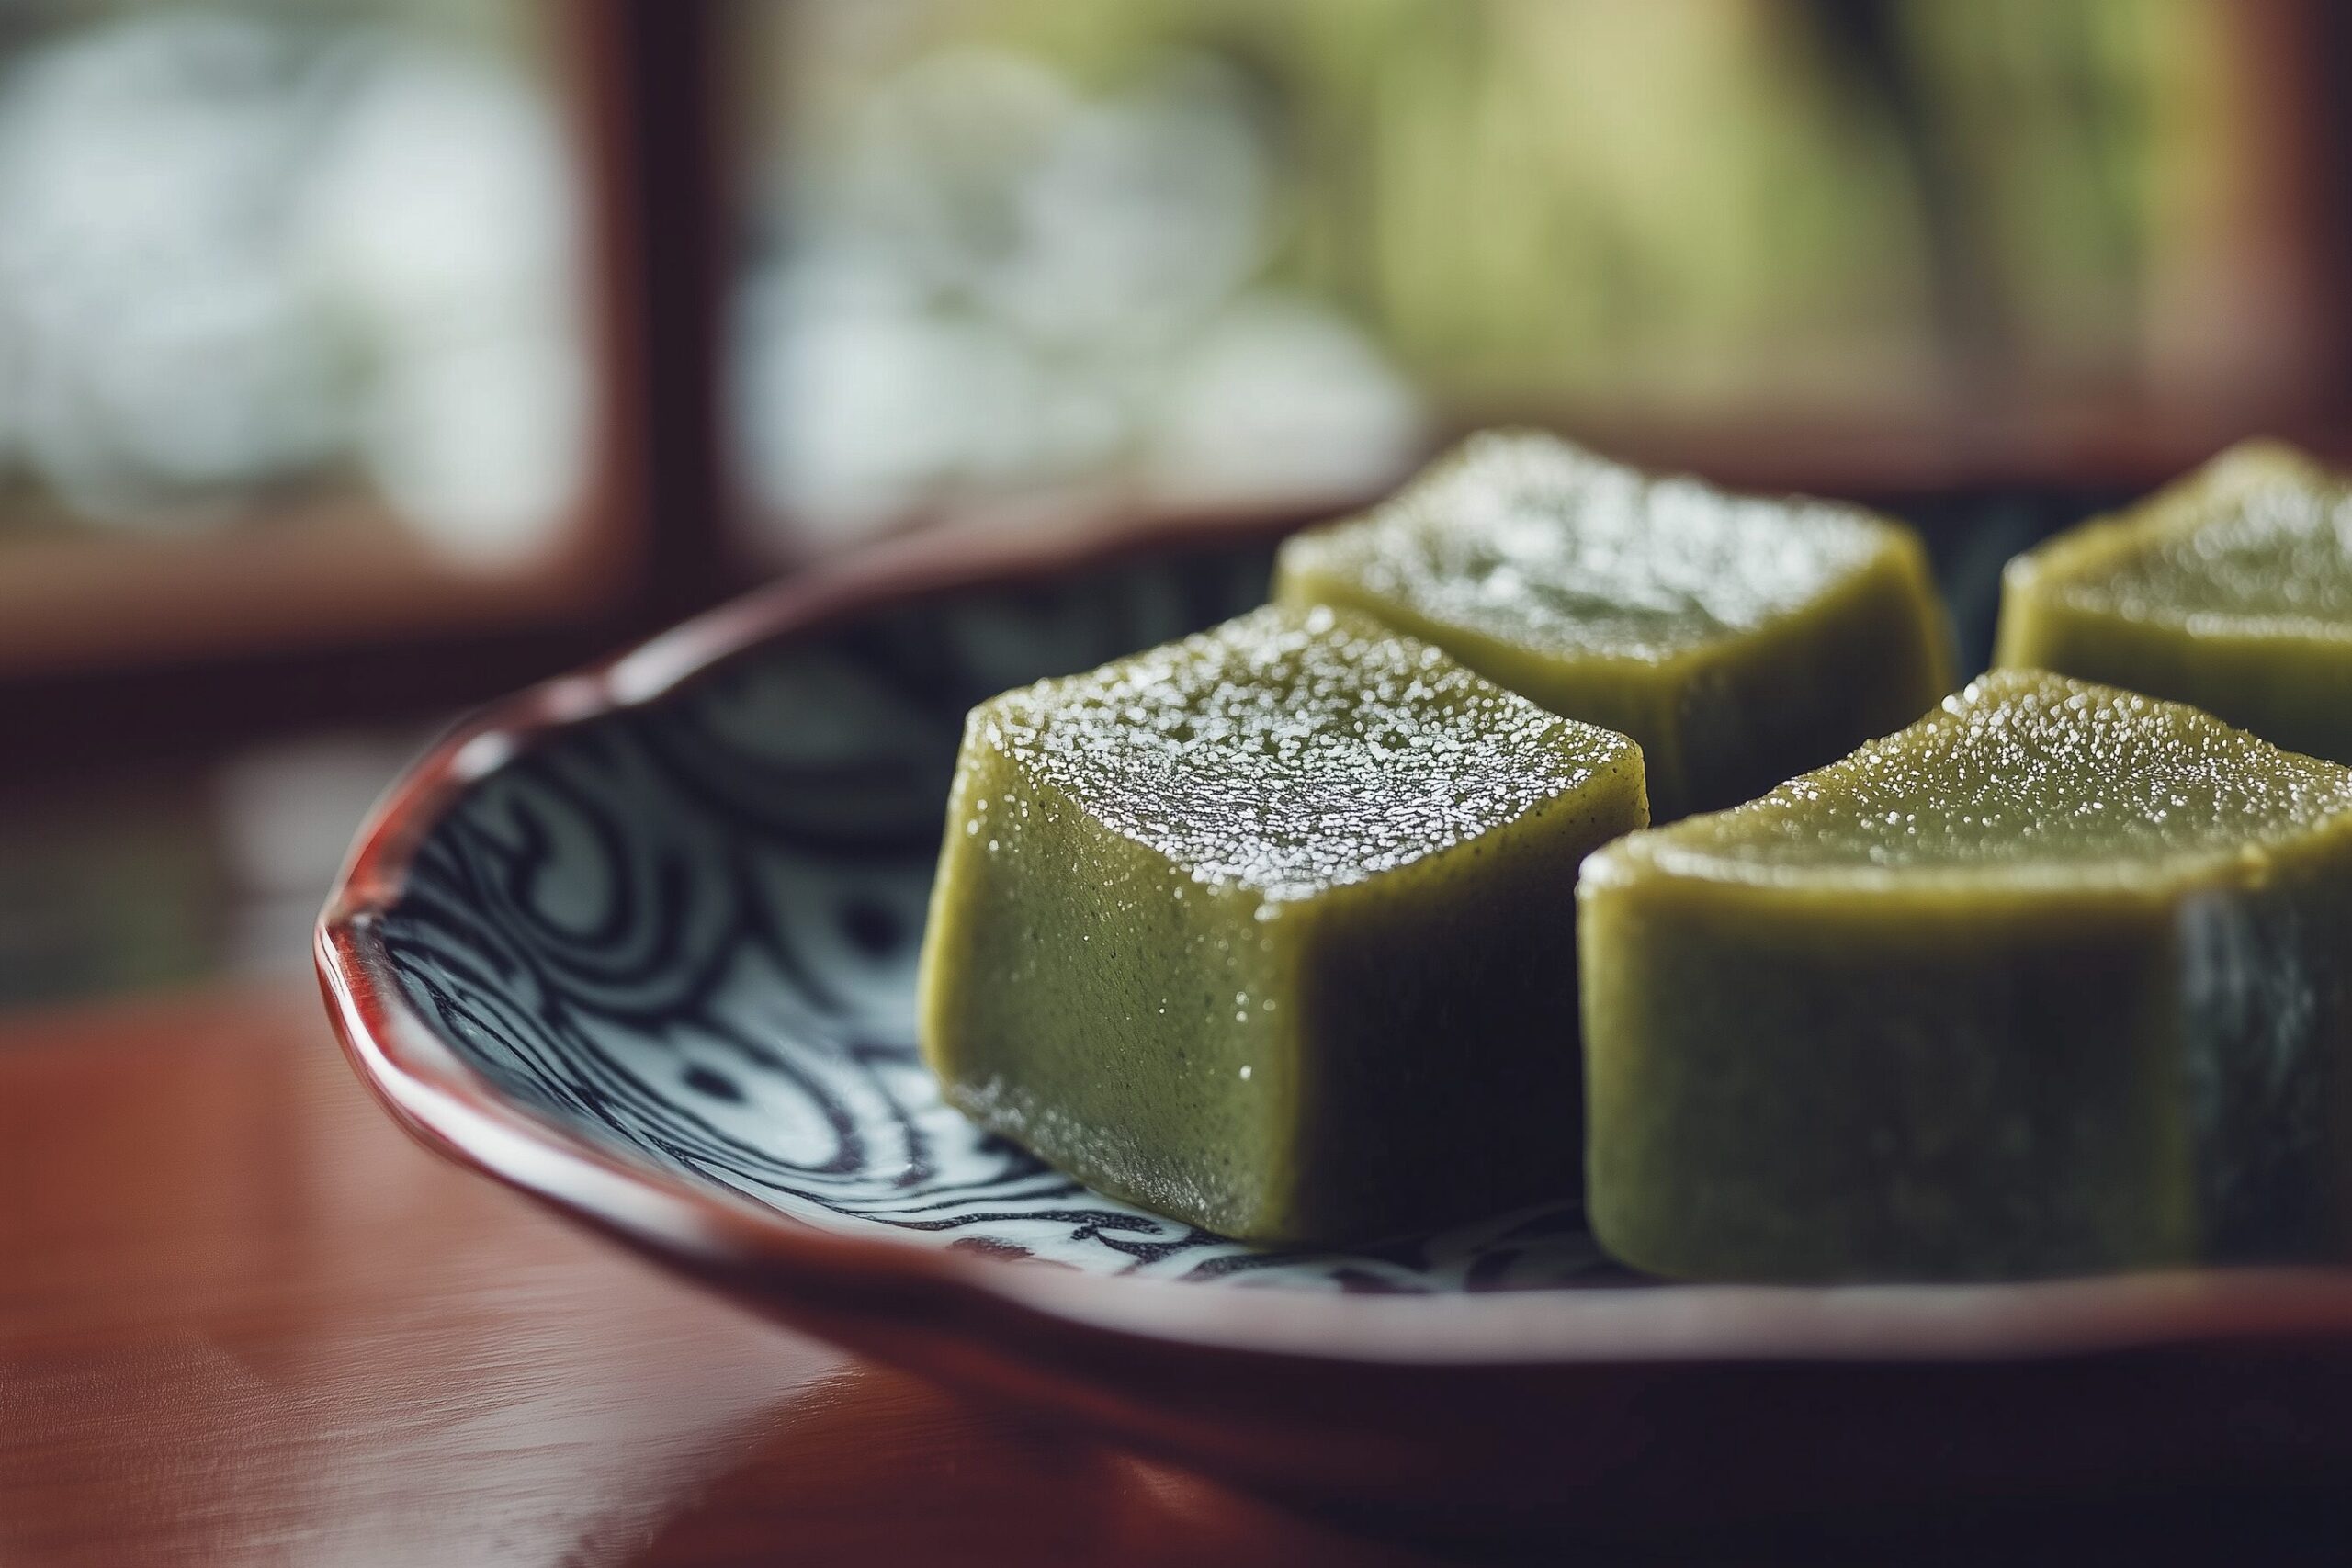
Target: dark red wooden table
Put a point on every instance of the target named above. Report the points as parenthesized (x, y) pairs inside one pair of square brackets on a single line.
[(243, 1320)]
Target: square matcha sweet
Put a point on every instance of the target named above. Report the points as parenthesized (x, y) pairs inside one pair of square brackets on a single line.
[(1272, 930), (1737, 640), (2052, 982), (2231, 590)]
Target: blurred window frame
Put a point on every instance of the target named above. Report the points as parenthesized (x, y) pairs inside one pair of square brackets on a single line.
[(123, 648)]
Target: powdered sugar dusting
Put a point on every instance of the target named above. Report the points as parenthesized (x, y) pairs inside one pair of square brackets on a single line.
[(2027, 767), (2271, 555), (1294, 751), (1524, 538)]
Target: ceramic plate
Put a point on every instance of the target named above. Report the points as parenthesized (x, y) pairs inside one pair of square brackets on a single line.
[(641, 942)]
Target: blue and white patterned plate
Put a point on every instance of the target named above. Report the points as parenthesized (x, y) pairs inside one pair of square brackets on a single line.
[(641, 942), (687, 932)]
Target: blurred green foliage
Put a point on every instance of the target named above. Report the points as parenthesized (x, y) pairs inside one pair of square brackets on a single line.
[(1690, 203)]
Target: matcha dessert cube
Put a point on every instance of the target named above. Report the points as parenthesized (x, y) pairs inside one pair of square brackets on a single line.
[(1737, 640), (1272, 930), (2231, 590), (2053, 981)]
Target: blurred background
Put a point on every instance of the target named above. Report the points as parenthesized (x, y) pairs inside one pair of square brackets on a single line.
[(363, 359)]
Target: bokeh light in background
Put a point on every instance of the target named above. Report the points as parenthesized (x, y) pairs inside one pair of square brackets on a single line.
[(1175, 250), (289, 294), (291, 272), (320, 261), (359, 357), (277, 254)]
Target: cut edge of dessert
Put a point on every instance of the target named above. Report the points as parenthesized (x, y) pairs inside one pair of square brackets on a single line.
[(1925, 1078)]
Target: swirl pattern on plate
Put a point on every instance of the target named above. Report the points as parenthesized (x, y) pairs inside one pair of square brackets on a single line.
[(687, 932)]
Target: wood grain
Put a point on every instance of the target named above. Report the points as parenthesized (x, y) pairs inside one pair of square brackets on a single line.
[(243, 1320)]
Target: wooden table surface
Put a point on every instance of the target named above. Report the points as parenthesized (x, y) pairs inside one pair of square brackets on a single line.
[(244, 1320)]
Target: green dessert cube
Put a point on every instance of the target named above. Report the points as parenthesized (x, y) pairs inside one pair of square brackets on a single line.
[(2232, 590), (1272, 929), (1737, 640), (2052, 981)]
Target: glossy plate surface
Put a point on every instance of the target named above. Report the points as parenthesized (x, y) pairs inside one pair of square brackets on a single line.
[(641, 942)]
